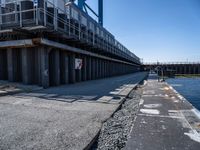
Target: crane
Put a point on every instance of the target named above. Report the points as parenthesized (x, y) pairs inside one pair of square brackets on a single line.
[(85, 7)]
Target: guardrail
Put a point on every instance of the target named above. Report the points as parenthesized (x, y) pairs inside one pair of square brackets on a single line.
[(171, 63)]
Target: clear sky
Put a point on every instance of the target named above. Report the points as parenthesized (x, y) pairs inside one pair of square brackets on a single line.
[(155, 30)]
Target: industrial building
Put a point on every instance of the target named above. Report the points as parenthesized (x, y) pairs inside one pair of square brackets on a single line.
[(53, 42)]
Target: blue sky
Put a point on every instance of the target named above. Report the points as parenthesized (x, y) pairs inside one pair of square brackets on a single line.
[(155, 30)]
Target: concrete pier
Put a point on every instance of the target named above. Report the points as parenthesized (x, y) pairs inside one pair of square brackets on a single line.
[(165, 120)]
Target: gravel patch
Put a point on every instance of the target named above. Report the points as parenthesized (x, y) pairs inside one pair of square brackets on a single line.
[(115, 130)]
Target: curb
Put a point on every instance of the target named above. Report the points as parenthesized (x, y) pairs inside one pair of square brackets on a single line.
[(8, 93), (90, 145)]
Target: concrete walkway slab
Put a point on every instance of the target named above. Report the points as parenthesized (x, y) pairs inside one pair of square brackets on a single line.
[(65, 117), (166, 121), (8, 88)]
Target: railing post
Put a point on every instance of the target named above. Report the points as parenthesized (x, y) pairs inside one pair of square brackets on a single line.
[(20, 14), (15, 12), (0, 15), (65, 22), (36, 14), (45, 17), (79, 27), (69, 20), (55, 18)]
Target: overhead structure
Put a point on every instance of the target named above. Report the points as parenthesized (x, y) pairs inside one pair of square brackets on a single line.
[(85, 7)]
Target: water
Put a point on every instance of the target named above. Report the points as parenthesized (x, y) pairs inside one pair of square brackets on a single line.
[(189, 88)]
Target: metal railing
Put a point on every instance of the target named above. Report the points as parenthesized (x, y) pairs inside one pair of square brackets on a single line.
[(172, 63)]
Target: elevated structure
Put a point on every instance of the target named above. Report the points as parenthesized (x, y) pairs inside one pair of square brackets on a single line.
[(84, 7), (47, 42)]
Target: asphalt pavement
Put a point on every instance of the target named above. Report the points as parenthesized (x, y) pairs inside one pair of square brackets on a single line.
[(64, 117)]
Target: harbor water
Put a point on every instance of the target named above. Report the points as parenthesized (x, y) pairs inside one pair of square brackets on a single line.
[(189, 88)]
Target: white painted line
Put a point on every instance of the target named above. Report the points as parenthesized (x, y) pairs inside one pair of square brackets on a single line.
[(196, 112), (150, 111), (152, 105), (141, 102), (193, 136), (161, 116)]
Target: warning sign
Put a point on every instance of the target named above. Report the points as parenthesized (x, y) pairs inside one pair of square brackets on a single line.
[(78, 64)]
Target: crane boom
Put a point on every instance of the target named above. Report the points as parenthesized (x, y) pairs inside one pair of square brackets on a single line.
[(82, 5)]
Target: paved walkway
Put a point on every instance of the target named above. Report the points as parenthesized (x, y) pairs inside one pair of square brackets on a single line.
[(166, 121), (65, 117)]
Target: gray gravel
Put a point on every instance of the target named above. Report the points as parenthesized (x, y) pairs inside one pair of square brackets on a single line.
[(116, 130)]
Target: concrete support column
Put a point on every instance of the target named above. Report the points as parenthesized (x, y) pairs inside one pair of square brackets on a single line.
[(182, 69), (99, 70), (102, 68), (27, 70), (177, 69), (10, 64), (185, 69), (93, 68), (194, 69), (44, 66), (106, 69), (64, 65), (89, 68), (110, 69), (72, 73), (84, 69), (190, 69), (96, 68), (113, 68), (3, 65), (57, 67)]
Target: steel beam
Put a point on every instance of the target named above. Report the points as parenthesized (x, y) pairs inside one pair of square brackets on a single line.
[(101, 12), (16, 44), (53, 44)]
